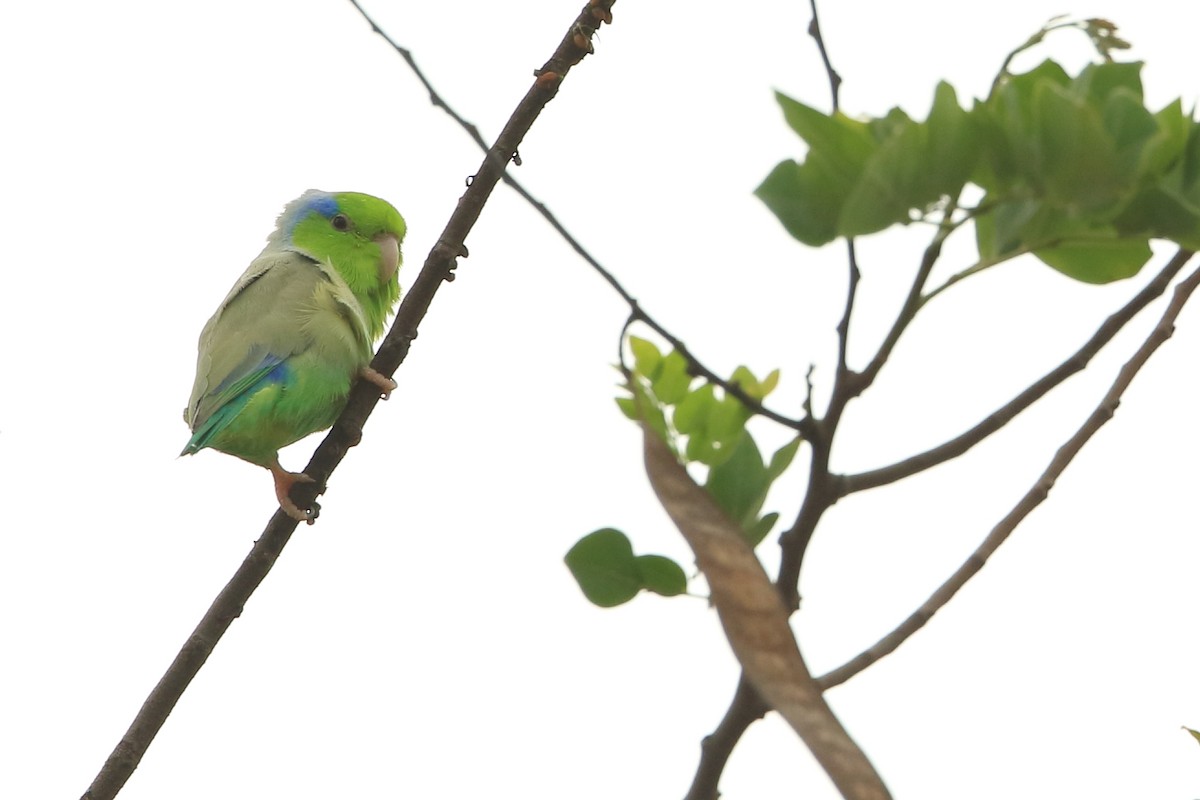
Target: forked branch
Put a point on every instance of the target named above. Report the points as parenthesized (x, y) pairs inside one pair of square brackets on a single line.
[(1031, 499)]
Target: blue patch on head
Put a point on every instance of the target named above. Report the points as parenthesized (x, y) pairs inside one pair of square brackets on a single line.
[(324, 204), (321, 203)]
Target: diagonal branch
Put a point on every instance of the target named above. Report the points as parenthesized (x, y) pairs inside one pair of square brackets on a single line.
[(1001, 416), (912, 303), (695, 366), (756, 623), (1031, 500), (716, 748), (347, 430)]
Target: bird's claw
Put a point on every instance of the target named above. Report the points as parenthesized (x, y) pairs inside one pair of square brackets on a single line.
[(284, 481), (386, 385)]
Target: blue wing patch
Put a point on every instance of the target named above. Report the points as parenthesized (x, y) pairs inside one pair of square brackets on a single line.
[(236, 394)]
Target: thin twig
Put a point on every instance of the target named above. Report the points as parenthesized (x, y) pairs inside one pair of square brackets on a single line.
[(346, 432), (1032, 498), (1076, 362), (912, 303), (843, 326), (803, 426), (835, 80), (963, 274), (824, 489), (745, 708), (695, 366)]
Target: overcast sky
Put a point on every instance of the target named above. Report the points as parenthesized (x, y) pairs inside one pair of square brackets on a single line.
[(424, 638)]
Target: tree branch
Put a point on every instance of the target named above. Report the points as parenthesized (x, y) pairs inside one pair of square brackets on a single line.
[(835, 80), (695, 366), (747, 705), (1032, 498), (347, 430), (756, 623), (745, 708), (1076, 362), (912, 303)]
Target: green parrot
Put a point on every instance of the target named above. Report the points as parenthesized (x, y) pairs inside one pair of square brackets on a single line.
[(279, 355)]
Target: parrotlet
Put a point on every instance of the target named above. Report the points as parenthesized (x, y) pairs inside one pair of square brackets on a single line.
[(277, 359)]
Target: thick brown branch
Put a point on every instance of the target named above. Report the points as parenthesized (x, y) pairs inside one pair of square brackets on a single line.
[(1031, 500), (756, 623), (347, 431), (1076, 362)]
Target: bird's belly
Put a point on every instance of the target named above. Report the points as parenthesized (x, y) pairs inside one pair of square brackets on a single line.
[(308, 398)]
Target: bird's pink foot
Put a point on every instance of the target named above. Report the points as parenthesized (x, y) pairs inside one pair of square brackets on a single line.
[(386, 385), (284, 481)]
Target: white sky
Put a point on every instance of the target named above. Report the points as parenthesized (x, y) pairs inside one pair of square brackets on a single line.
[(424, 639)]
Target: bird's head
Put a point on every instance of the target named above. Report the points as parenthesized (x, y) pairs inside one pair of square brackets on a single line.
[(357, 234)]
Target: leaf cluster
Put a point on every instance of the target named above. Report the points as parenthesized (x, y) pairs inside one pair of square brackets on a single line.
[(1075, 170), (702, 425)]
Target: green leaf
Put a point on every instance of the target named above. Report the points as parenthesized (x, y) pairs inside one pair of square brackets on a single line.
[(702, 449), (805, 198), (768, 384), (953, 142), (646, 358), (1195, 734), (808, 197), (782, 459), (1005, 124), (604, 567), (1078, 157), (915, 166), (644, 408), (1098, 261), (609, 574), (749, 384), (1000, 231), (1096, 82), (661, 575), (726, 420), (739, 484), (1164, 148), (1127, 121), (673, 380), (890, 185), (1158, 212), (759, 530), (841, 143), (691, 413)]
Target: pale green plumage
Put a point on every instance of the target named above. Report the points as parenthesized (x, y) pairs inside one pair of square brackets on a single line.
[(277, 359)]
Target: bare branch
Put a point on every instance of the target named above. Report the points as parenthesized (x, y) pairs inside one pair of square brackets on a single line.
[(695, 366), (347, 430), (745, 708), (1076, 362), (912, 303), (843, 326), (1031, 500), (814, 30)]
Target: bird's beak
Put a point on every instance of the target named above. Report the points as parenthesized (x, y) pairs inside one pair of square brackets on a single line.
[(389, 255)]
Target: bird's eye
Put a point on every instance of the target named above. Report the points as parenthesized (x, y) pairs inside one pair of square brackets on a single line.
[(340, 222)]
